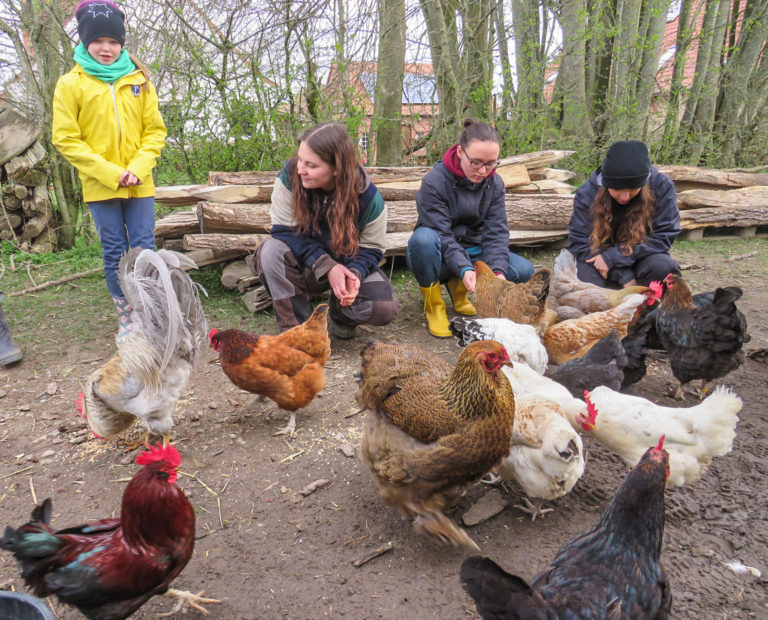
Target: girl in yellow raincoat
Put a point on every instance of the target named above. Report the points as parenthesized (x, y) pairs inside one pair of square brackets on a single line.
[(107, 124)]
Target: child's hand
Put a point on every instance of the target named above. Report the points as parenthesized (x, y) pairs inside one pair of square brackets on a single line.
[(127, 179)]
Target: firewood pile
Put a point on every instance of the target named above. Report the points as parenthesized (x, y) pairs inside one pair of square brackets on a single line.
[(26, 211), (230, 215)]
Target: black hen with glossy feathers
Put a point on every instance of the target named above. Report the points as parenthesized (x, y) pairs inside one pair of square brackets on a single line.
[(612, 571)]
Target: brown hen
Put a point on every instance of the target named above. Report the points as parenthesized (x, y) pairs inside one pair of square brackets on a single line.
[(524, 303), (573, 338), (433, 429), (287, 368)]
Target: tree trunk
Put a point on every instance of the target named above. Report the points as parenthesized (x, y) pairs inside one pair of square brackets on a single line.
[(570, 87), (389, 83), (682, 43), (653, 22)]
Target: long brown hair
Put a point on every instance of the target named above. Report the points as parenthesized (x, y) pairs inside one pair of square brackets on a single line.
[(331, 143), (632, 229)]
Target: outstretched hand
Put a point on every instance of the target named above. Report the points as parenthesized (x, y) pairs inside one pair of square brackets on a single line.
[(470, 279), (599, 263)]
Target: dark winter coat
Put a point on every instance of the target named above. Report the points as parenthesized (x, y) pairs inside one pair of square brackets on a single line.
[(465, 214), (664, 228)]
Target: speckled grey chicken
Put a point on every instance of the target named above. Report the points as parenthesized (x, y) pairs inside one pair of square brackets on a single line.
[(432, 429)]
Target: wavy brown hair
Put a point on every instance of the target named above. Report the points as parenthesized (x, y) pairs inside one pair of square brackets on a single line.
[(331, 143), (632, 229)]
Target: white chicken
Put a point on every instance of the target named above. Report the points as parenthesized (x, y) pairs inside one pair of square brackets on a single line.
[(550, 470), (694, 435), (521, 341), (147, 374)]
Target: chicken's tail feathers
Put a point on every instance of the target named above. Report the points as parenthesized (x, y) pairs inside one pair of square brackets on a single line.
[(717, 418), (437, 526), (24, 546), (565, 264), (165, 302), (497, 593), (466, 330)]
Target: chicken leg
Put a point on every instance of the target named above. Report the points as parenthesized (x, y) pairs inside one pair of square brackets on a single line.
[(289, 429), (535, 510), (187, 598)]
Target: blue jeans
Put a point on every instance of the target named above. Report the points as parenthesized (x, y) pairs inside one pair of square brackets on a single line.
[(425, 259), (122, 223)]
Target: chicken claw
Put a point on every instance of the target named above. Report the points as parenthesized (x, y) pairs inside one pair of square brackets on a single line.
[(183, 598), (535, 510), (289, 429)]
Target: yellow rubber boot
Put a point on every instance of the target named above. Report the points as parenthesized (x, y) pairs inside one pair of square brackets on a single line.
[(437, 319), (459, 292)]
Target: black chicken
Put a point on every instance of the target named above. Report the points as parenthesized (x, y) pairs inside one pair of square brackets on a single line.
[(613, 571), (602, 365), (703, 341)]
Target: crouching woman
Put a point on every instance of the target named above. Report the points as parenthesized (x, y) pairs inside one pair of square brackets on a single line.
[(329, 225)]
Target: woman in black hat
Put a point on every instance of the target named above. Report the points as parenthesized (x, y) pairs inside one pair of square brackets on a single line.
[(624, 220)]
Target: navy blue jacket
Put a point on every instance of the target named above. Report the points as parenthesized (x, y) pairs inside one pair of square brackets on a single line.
[(465, 214), (664, 228)]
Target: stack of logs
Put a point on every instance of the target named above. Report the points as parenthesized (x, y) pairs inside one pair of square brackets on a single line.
[(231, 214), (26, 212)]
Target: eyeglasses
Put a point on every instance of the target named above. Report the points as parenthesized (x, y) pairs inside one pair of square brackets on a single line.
[(477, 164)]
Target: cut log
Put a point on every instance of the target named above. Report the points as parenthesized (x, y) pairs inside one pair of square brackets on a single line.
[(753, 197), (17, 134), (691, 177), (514, 175), (176, 195), (537, 159), (20, 191), (545, 186), (741, 216), (234, 272), (556, 174), (177, 245), (34, 227), (176, 224), (258, 299), (22, 164), (208, 256), (213, 241), (233, 193), (9, 221), (542, 212)]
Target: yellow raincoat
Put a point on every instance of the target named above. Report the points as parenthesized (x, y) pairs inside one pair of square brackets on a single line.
[(104, 129)]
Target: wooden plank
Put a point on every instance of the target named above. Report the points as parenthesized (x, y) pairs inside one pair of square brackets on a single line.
[(556, 174), (176, 195), (513, 175), (545, 186)]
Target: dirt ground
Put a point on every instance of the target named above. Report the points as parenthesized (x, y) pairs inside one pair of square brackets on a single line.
[(268, 551)]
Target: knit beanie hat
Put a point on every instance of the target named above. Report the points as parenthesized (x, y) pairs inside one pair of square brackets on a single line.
[(100, 19), (627, 165)]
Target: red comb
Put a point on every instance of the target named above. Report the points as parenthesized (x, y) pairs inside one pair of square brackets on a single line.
[(661, 443), (167, 453), (212, 333), (656, 289)]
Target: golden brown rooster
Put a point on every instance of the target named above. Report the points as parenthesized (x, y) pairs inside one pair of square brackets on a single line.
[(433, 429), (524, 303), (287, 368)]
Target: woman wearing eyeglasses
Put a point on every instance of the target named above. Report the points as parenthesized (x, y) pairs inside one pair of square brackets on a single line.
[(462, 219)]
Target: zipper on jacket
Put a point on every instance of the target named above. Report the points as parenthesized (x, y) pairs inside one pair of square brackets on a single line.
[(117, 114)]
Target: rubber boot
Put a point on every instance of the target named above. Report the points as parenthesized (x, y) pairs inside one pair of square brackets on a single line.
[(437, 319), (459, 292), (124, 324), (10, 352)]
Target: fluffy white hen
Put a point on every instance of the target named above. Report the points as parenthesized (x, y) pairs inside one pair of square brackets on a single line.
[(627, 424)]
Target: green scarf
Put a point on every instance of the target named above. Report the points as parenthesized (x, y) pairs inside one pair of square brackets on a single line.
[(106, 73)]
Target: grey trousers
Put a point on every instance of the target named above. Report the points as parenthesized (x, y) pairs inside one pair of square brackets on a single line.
[(291, 285)]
